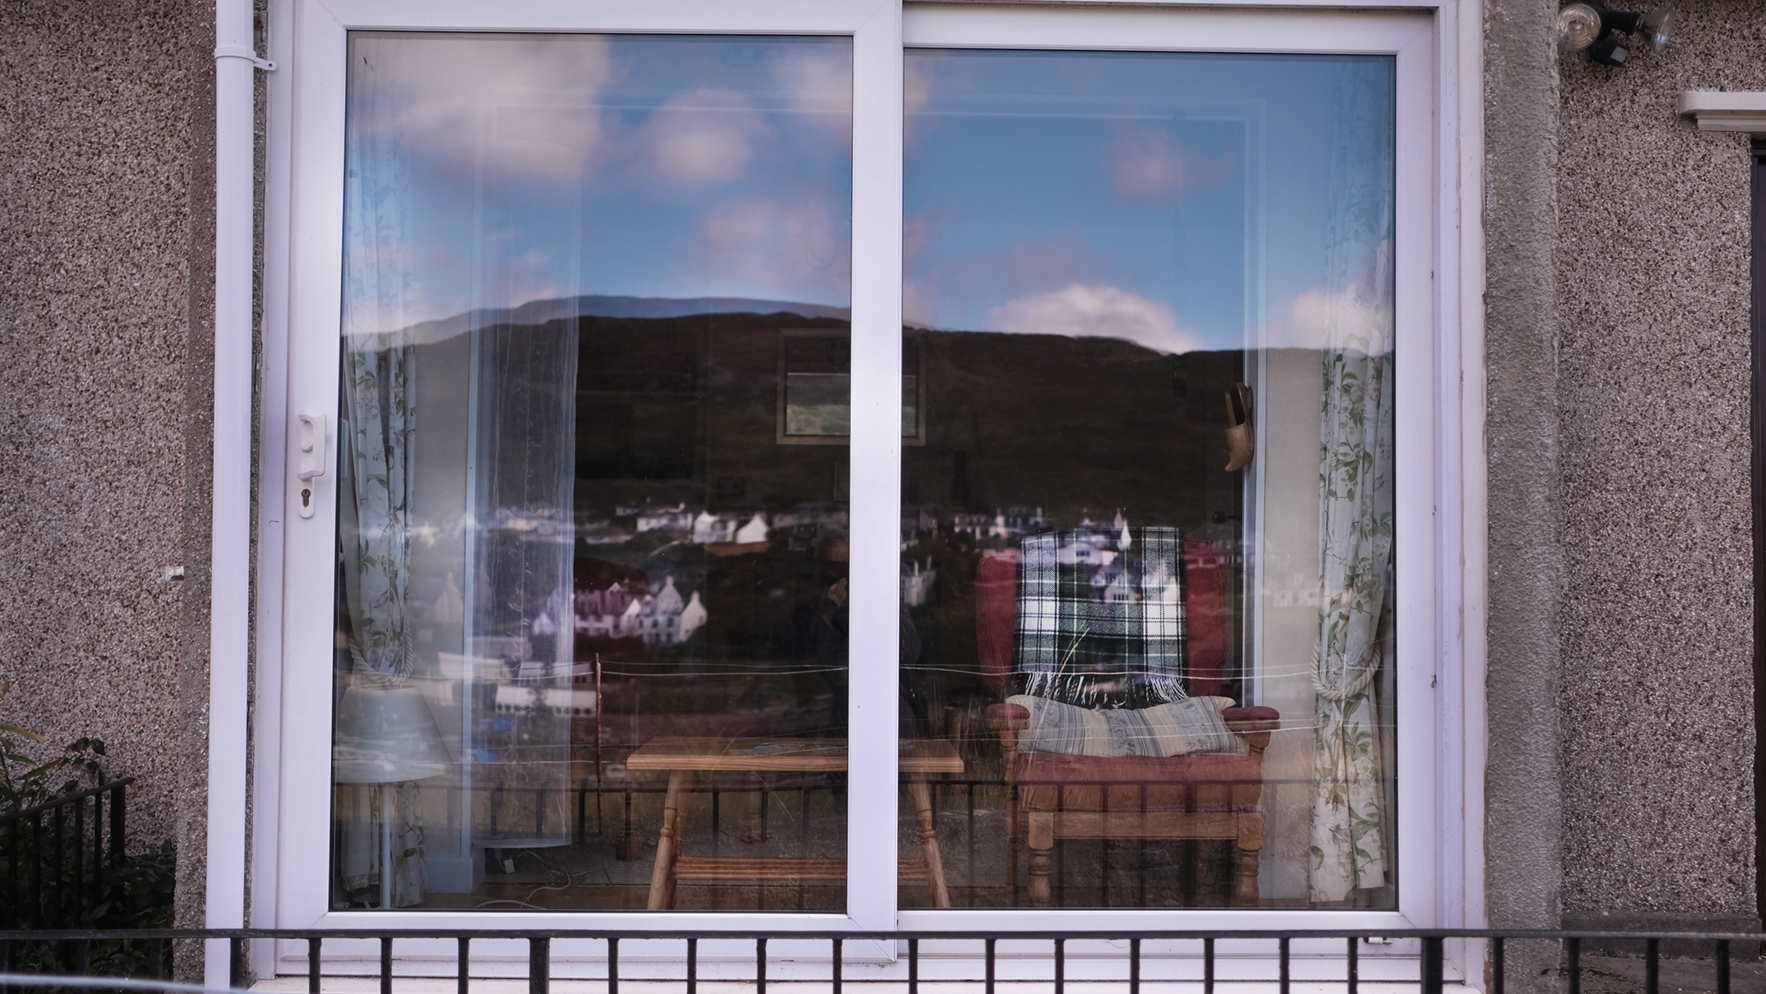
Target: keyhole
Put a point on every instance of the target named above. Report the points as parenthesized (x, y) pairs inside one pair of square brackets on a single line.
[(306, 497)]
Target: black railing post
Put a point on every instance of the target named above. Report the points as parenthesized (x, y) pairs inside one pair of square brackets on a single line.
[(1573, 947), (386, 964), (1722, 966), (1496, 966), (97, 849), (1651, 966), (837, 965), (79, 848), (1134, 966), (1354, 962), (236, 963), (613, 964), (118, 820), (313, 964), (990, 943), (1208, 966), (913, 966), (1060, 966), (1282, 954), (55, 912), (760, 944), (539, 964), (462, 966), (693, 966), (1433, 955)]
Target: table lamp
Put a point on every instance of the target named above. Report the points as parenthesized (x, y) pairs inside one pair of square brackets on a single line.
[(386, 736)]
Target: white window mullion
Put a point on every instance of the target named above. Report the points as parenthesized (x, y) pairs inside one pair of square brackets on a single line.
[(872, 797)]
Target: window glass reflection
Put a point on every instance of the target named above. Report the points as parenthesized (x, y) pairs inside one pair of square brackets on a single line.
[(591, 618), (1146, 542)]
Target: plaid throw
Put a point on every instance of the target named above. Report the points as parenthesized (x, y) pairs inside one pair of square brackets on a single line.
[(1101, 617)]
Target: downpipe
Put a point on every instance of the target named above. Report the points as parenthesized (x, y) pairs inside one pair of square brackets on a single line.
[(236, 63)]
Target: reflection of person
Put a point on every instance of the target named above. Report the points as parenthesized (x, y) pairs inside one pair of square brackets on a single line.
[(823, 631)]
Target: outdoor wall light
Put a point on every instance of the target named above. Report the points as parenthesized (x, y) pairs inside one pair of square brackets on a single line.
[(1602, 32)]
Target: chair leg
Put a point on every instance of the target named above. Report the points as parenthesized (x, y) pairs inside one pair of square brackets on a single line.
[(1014, 842), (1247, 855), (1041, 829)]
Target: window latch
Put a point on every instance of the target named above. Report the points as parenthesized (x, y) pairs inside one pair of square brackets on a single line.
[(238, 52), (311, 440)]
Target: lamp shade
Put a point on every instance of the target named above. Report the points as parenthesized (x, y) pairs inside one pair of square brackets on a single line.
[(385, 735)]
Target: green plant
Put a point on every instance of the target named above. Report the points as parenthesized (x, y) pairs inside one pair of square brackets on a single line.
[(135, 892)]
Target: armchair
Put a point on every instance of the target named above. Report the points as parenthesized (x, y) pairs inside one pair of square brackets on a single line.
[(1169, 792)]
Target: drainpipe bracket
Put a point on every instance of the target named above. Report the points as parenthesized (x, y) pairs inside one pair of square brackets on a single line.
[(236, 52)]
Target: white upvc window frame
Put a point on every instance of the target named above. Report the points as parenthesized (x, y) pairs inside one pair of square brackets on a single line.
[(1439, 426)]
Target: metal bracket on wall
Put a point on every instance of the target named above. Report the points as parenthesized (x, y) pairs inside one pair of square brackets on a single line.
[(235, 52)]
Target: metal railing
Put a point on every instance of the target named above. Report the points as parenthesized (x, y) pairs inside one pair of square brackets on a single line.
[(1430, 976), (59, 863)]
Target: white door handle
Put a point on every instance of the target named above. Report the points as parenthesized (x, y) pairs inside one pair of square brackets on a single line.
[(310, 437)]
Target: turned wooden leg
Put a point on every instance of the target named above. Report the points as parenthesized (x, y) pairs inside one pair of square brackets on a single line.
[(754, 823), (1246, 856), (922, 794), (662, 875), (1041, 829), (1014, 841)]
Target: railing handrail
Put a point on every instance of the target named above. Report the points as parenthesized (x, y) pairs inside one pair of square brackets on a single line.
[(64, 799), (1431, 958), (369, 932)]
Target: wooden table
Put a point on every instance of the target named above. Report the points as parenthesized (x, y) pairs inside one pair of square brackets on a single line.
[(681, 758)]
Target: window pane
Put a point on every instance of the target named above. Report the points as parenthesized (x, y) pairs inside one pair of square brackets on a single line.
[(589, 602), (1147, 551)]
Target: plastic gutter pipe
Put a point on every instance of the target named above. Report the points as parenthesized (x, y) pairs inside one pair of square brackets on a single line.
[(236, 64)]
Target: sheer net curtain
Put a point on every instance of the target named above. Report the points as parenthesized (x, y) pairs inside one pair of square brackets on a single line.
[(1350, 820), (377, 418), (468, 619)]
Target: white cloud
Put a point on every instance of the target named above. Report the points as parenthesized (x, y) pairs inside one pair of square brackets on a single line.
[(703, 137), (820, 84), (465, 101), (1150, 164), (1337, 319), (1095, 311), (795, 246)]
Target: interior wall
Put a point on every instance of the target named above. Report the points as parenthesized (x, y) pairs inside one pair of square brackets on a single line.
[(1286, 606), (1656, 630)]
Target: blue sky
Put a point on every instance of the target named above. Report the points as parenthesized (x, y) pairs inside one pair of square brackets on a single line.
[(1174, 200), (1179, 201), (551, 166)]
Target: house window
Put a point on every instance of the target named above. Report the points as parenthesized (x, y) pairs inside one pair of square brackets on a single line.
[(691, 477)]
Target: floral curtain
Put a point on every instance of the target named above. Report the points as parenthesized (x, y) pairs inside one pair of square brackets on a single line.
[(1349, 845)]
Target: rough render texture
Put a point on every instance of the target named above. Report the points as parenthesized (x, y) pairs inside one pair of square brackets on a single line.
[(106, 112), (1653, 324), (1522, 804)]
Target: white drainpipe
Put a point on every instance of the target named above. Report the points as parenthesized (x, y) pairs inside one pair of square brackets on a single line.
[(236, 63)]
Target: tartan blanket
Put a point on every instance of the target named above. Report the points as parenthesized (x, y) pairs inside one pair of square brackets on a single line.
[(1181, 728), (1101, 617)]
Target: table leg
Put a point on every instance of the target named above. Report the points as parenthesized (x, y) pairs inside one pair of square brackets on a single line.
[(669, 846), (922, 794)]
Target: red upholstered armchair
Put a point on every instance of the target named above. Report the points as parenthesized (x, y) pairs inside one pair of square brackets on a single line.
[(1196, 796)]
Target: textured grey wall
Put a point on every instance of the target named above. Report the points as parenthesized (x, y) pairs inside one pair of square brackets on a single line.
[(1523, 811), (106, 221), (1655, 694)]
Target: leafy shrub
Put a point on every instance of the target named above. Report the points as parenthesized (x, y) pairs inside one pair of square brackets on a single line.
[(135, 893)]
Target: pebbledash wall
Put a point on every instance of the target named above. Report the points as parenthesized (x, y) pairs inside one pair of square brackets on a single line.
[(1619, 698), (106, 341)]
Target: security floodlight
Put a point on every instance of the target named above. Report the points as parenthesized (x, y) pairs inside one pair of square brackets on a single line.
[(1578, 27), (1601, 31)]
